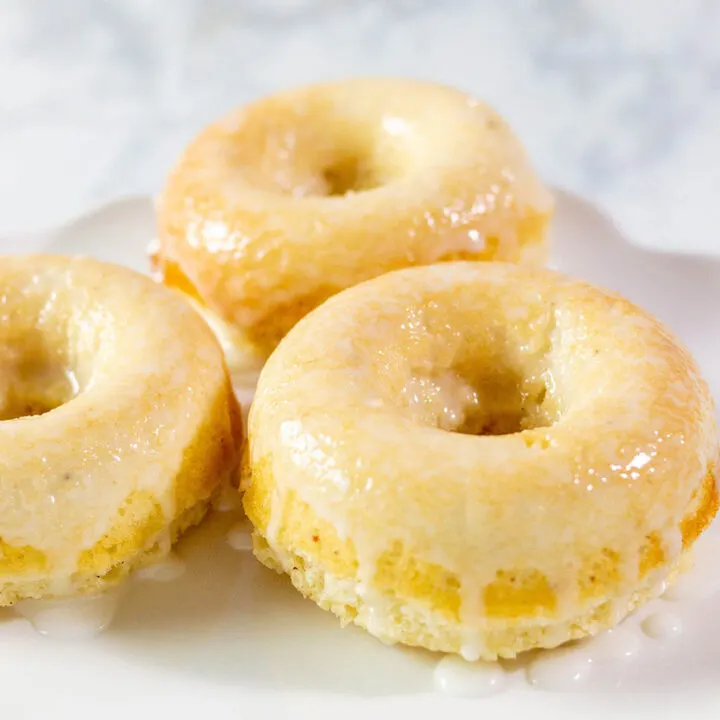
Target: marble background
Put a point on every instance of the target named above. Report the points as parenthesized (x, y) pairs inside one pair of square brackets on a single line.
[(617, 100)]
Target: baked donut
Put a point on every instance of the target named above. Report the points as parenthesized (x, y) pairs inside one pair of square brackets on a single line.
[(479, 458), (117, 423), (284, 203)]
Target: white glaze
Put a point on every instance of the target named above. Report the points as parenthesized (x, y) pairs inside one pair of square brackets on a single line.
[(455, 676), (662, 625), (243, 363), (569, 668), (471, 650), (698, 584), (702, 577), (238, 537), (244, 393), (620, 643), (562, 669), (168, 569), (228, 500), (71, 619)]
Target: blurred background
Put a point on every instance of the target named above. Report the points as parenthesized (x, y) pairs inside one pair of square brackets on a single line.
[(616, 100)]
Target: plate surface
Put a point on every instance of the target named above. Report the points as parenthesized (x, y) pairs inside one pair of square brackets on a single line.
[(228, 637)]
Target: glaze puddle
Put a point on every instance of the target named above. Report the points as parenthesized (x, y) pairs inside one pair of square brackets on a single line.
[(569, 668), (662, 625), (238, 537), (167, 570), (460, 678), (227, 500), (74, 619)]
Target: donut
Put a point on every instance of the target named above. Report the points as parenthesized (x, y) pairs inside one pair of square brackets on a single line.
[(117, 424), (284, 203), (479, 458)]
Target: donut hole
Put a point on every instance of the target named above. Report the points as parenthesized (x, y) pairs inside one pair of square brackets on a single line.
[(34, 377), (350, 175), (54, 339), (342, 167), (312, 147), (504, 406), (462, 365), (501, 403)]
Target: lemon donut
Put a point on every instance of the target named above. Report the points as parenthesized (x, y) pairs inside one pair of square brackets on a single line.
[(284, 203), (479, 458), (117, 423)]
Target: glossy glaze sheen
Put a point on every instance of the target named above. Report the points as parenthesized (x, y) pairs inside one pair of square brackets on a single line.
[(281, 204), (131, 456), (488, 545)]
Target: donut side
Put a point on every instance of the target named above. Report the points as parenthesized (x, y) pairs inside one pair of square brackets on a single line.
[(421, 602)]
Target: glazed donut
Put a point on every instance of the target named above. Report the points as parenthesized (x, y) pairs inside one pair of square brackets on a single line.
[(284, 203), (117, 424), (479, 458)]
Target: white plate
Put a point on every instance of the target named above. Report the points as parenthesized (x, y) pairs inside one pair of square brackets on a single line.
[(229, 638)]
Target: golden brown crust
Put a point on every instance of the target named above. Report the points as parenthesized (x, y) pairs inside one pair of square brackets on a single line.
[(706, 503), (413, 623)]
